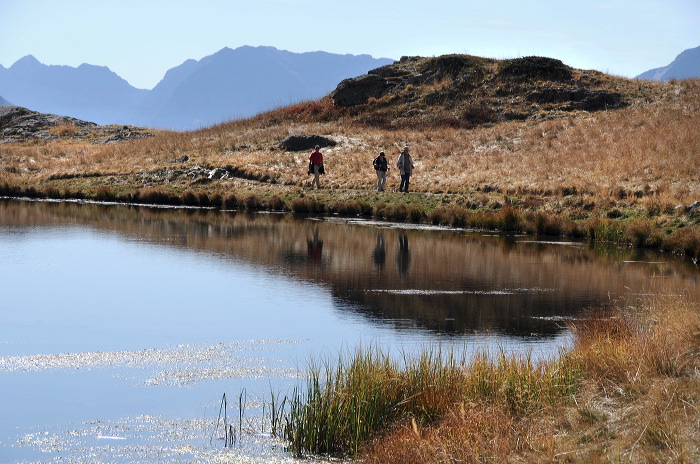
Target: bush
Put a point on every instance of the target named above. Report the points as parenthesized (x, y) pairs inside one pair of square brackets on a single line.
[(231, 201), (157, 197), (307, 205), (252, 203), (53, 193), (546, 224), (533, 68), (643, 233), (415, 214), (347, 208), (105, 194), (302, 205), (190, 199), (216, 201), (396, 213), (685, 241), (276, 203), (440, 215), (509, 219), (203, 199)]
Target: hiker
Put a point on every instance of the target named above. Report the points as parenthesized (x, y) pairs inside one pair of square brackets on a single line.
[(405, 165), (381, 166), (316, 166)]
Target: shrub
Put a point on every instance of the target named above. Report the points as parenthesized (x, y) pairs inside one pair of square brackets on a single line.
[(546, 224), (157, 197), (276, 203), (301, 205), (396, 213), (509, 219), (105, 194), (231, 201), (189, 198), (685, 241), (643, 233), (53, 193), (307, 205), (216, 201), (252, 203), (440, 215), (533, 68), (203, 199), (347, 208), (415, 214)]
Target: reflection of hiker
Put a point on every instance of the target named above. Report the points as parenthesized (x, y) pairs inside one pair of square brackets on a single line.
[(403, 257), (315, 248), (316, 166), (381, 166), (379, 253), (405, 165)]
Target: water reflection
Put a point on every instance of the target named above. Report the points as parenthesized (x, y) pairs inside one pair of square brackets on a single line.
[(379, 253), (403, 256), (443, 281), (315, 248)]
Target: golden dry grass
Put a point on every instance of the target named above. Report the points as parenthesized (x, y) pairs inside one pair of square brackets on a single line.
[(649, 151), (637, 401)]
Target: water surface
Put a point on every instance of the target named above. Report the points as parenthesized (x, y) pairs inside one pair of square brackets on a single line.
[(123, 327)]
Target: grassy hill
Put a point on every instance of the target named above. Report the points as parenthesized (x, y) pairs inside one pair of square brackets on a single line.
[(527, 144)]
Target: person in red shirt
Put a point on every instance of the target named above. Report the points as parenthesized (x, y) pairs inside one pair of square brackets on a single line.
[(316, 166)]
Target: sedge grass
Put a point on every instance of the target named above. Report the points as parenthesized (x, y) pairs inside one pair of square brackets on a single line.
[(625, 391), (349, 402)]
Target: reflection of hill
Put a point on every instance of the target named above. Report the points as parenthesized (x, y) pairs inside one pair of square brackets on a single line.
[(438, 280)]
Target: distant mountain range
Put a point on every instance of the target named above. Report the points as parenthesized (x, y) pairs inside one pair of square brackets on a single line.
[(227, 85), (685, 66)]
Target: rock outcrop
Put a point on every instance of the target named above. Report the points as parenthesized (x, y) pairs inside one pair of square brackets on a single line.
[(306, 142), (19, 124)]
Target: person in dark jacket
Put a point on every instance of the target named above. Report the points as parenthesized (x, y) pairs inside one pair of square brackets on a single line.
[(381, 166), (405, 165)]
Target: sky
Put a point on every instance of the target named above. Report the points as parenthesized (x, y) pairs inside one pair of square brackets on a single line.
[(141, 39)]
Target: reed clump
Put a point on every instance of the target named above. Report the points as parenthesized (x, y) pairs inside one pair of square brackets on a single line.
[(626, 390)]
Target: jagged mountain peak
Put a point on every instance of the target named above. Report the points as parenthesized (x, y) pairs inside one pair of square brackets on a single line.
[(229, 84)]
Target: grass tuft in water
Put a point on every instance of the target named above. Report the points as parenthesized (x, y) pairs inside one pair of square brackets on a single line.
[(347, 403)]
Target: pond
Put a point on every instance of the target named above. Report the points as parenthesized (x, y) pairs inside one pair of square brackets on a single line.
[(123, 327)]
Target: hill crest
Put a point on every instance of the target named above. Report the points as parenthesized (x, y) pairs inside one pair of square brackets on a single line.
[(466, 91)]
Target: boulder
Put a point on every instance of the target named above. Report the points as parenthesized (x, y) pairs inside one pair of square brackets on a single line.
[(358, 90), (306, 142)]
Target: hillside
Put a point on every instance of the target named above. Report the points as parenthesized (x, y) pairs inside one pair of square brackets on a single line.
[(569, 151)]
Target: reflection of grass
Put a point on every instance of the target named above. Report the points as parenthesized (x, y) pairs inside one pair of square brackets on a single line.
[(627, 391)]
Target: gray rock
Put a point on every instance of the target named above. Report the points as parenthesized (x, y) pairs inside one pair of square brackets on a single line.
[(306, 142), (18, 124), (358, 90), (218, 173)]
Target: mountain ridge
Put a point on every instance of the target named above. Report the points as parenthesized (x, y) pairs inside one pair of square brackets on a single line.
[(190, 95), (685, 66)]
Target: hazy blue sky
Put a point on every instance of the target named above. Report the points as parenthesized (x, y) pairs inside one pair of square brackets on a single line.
[(141, 39)]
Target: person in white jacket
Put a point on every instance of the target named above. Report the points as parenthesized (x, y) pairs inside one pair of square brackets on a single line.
[(405, 165)]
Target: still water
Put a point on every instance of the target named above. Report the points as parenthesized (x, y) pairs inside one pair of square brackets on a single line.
[(121, 328)]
